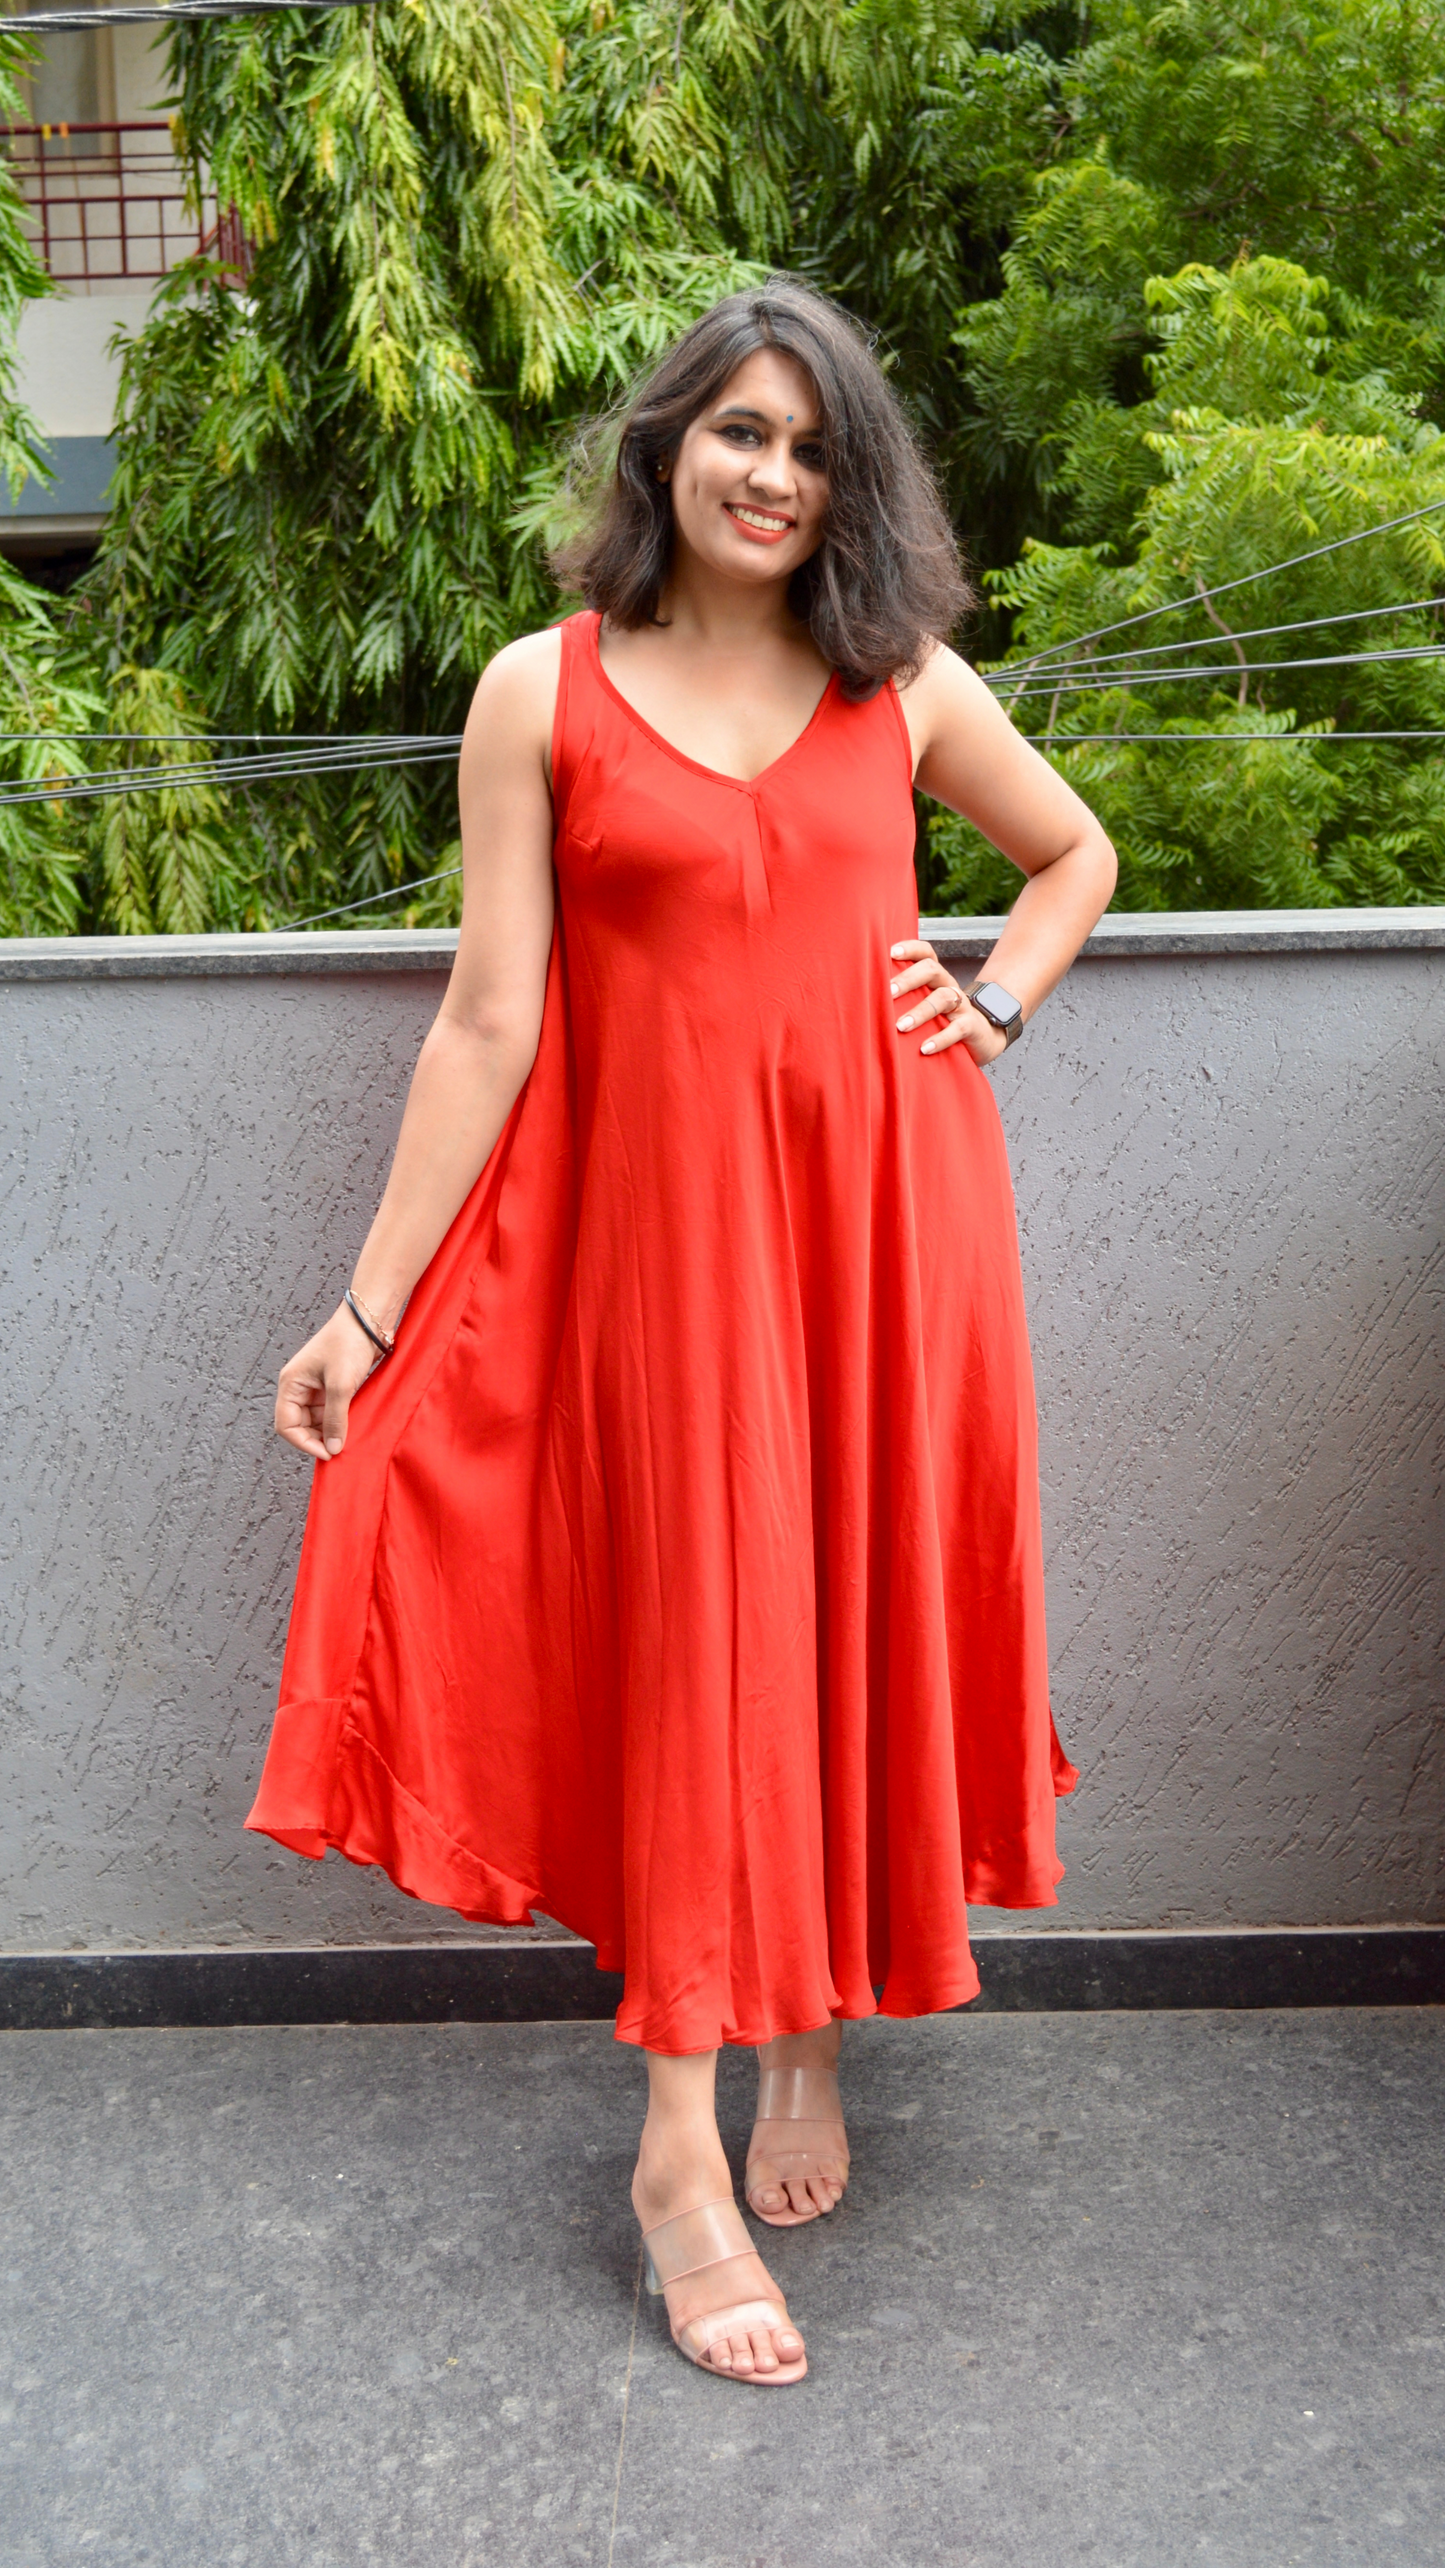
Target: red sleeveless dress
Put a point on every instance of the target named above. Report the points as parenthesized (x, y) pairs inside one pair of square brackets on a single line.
[(681, 1576)]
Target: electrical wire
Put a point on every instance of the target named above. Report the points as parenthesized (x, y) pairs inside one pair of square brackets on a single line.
[(225, 774), (322, 752), (80, 22), (1200, 597), (346, 739), (1221, 739), (157, 780), (1247, 633), (1070, 684), (396, 893)]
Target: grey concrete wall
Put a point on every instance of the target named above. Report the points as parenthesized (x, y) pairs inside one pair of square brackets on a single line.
[(1228, 1171)]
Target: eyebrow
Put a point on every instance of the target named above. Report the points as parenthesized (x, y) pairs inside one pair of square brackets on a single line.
[(741, 410)]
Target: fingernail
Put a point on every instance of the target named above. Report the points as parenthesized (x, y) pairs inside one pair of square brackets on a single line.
[(333, 1444), (893, 989), (905, 1025), (925, 1047)]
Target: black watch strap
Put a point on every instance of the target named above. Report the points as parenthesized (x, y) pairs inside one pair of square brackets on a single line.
[(1000, 1007)]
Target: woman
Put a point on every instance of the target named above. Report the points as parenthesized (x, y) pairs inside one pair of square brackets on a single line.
[(680, 1575)]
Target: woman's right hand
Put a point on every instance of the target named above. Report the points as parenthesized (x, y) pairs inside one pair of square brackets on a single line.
[(317, 1387)]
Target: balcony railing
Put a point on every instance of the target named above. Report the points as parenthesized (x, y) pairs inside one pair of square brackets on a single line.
[(108, 203)]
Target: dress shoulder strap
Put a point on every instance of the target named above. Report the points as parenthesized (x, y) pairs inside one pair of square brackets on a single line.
[(571, 723)]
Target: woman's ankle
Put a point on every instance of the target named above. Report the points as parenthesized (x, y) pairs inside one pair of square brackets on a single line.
[(815, 2050), (678, 2154)]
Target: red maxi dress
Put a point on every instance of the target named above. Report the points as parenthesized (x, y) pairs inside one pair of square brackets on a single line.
[(681, 1576)]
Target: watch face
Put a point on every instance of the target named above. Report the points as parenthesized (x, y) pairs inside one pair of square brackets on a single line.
[(998, 1005)]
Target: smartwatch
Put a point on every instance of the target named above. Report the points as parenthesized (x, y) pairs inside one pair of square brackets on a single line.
[(1000, 1007)]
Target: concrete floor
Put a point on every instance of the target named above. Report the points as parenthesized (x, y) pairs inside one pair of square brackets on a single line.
[(1116, 2290)]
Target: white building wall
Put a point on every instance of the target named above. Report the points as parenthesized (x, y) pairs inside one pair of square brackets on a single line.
[(140, 86), (67, 374)]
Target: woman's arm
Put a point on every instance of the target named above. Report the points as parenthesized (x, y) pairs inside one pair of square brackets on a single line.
[(967, 754), (477, 1056)]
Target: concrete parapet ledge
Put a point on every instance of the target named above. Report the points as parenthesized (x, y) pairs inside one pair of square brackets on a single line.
[(430, 949), (1228, 1178), (557, 1982)]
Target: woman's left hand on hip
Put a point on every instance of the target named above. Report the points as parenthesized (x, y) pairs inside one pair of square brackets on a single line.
[(943, 1013)]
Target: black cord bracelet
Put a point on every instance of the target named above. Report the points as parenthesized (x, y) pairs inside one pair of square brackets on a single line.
[(381, 1344)]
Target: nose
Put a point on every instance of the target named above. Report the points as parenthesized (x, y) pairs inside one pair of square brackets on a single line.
[(771, 472)]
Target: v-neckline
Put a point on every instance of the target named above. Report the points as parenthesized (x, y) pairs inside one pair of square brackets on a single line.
[(714, 775)]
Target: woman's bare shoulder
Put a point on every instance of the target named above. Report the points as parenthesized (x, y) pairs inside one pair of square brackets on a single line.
[(518, 688), (945, 700), (941, 677)]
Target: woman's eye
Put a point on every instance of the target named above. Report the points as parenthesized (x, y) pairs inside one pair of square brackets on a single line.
[(812, 456), (739, 435)]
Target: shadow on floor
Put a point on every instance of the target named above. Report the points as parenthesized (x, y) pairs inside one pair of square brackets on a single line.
[(1111, 2291)]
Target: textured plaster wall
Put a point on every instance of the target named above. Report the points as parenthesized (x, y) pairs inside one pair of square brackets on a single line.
[(1228, 1179)]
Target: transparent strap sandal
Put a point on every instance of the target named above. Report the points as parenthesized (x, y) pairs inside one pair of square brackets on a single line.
[(694, 2243), (799, 2133)]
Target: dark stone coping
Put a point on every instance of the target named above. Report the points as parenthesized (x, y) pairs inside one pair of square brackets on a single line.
[(428, 949), (536, 1982)]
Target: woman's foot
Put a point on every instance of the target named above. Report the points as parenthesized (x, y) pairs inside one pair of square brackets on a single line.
[(798, 2154), (681, 2169)]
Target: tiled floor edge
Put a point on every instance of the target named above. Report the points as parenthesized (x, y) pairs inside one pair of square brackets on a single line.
[(531, 1982)]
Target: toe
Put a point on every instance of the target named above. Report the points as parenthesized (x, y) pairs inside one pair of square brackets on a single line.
[(768, 2198), (761, 2343)]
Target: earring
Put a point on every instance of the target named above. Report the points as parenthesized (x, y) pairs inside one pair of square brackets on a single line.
[(662, 467)]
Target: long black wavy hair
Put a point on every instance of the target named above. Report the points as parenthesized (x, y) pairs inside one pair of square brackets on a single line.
[(885, 579)]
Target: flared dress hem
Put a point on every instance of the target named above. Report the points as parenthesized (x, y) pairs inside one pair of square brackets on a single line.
[(314, 1807)]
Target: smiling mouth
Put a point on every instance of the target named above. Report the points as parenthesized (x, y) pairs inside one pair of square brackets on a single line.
[(759, 521)]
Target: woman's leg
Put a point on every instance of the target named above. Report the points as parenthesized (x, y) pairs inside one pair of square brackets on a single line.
[(680, 2165), (800, 2193)]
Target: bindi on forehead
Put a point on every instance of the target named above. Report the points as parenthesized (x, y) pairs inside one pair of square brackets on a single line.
[(746, 410)]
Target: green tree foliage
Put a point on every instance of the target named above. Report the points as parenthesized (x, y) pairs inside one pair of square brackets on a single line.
[(1164, 285), (135, 862), (38, 887), (1220, 341), (1265, 436)]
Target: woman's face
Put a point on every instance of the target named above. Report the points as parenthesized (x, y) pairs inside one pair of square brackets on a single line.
[(749, 491)]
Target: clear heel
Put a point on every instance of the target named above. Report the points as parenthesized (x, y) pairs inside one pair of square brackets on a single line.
[(799, 2134), (696, 2242)]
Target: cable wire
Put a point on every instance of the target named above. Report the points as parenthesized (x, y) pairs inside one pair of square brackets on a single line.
[(1221, 739), (1247, 633), (225, 774), (344, 908), (200, 739), (1071, 684), (1200, 597), (80, 22)]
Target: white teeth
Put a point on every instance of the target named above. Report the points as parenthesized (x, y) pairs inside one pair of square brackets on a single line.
[(754, 517)]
